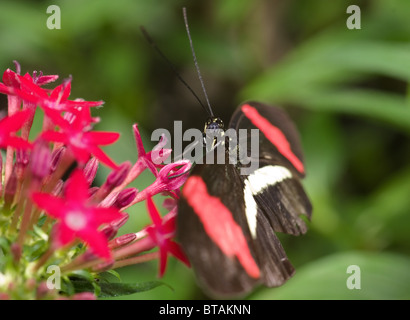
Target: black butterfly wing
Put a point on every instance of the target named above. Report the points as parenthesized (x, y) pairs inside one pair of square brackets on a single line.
[(274, 125), (275, 184), (221, 274)]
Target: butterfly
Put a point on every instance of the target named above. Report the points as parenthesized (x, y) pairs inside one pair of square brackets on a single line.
[(227, 221)]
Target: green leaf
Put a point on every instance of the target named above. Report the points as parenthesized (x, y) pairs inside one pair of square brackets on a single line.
[(389, 108), (117, 289), (106, 275), (390, 59), (88, 280), (383, 276)]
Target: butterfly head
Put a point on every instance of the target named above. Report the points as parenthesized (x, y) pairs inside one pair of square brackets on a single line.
[(213, 124), (213, 132)]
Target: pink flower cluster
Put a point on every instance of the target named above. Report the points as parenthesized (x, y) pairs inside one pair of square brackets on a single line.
[(72, 211)]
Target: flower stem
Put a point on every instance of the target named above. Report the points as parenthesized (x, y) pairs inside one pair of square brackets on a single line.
[(44, 258), (136, 247), (134, 260), (81, 263), (25, 222), (21, 201)]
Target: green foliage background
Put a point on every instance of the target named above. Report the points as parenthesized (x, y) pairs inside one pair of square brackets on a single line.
[(347, 90)]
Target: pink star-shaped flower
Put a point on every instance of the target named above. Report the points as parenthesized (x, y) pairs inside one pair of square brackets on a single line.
[(56, 100), (161, 232), (9, 125), (152, 159), (75, 135), (11, 82), (77, 218)]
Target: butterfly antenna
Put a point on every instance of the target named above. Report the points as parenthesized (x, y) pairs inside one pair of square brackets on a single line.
[(196, 62), (174, 69)]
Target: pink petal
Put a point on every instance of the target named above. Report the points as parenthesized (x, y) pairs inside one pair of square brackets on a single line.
[(56, 92), (15, 122), (27, 96), (97, 242), (4, 89), (63, 234), (68, 104), (53, 206), (42, 80), (100, 155), (56, 117), (16, 143), (106, 215), (66, 89), (28, 86), (153, 212), (81, 118), (169, 222), (149, 165), (163, 257), (54, 136), (10, 79), (76, 189), (138, 140), (177, 252), (102, 138), (81, 154)]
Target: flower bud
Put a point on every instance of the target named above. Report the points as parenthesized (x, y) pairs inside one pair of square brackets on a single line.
[(40, 160), (121, 221), (56, 158), (109, 232), (122, 240), (22, 160), (174, 174), (90, 170), (125, 197), (115, 178), (58, 188), (10, 79)]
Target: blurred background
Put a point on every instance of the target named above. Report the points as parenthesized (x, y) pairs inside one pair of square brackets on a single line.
[(347, 91)]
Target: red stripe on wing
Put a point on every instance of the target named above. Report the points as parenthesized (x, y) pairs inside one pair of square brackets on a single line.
[(219, 224), (274, 135)]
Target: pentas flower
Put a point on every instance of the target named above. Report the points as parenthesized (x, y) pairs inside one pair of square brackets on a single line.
[(81, 143), (76, 217), (40, 79), (56, 100), (153, 159), (161, 232), (12, 87), (11, 78), (48, 201)]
